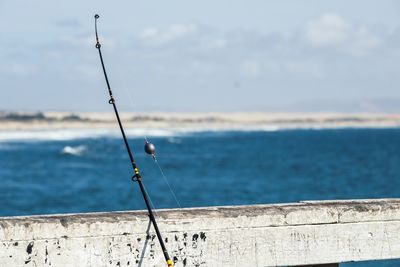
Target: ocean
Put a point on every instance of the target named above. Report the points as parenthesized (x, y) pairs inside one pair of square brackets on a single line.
[(87, 170)]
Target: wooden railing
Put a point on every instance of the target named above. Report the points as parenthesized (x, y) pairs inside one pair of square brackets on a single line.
[(316, 233)]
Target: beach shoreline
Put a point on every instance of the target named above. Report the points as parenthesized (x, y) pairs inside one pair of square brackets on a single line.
[(218, 121)]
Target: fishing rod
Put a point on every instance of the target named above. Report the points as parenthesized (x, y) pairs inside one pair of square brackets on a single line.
[(149, 148)]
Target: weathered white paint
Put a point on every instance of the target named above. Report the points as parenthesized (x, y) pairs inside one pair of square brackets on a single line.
[(260, 235)]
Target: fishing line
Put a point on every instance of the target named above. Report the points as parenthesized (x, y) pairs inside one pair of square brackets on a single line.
[(154, 156), (168, 184), (132, 105), (128, 93)]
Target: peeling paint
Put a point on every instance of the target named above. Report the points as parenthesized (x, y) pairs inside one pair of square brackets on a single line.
[(29, 248), (63, 222)]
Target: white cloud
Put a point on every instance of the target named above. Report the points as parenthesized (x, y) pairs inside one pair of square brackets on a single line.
[(89, 72), (217, 43), (328, 29), (250, 68), (333, 31), (363, 42), (157, 36), (19, 69)]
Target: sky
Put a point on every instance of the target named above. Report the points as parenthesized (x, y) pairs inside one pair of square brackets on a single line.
[(225, 55)]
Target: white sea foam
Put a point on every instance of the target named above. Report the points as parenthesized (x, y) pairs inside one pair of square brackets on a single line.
[(74, 150), (49, 135), (173, 140), (72, 134)]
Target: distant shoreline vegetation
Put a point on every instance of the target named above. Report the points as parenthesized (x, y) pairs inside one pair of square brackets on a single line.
[(38, 116), (42, 117)]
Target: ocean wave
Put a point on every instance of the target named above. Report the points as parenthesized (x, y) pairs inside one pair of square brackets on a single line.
[(173, 140), (74, 150), (72, 134), (48, 135)]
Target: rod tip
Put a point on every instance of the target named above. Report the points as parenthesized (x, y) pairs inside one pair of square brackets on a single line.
[(96, 16)]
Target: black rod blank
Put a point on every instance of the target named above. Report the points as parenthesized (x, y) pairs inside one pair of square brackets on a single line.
[(136, 177)]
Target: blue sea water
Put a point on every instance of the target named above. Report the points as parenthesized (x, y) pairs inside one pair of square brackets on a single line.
[(61, 172)]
